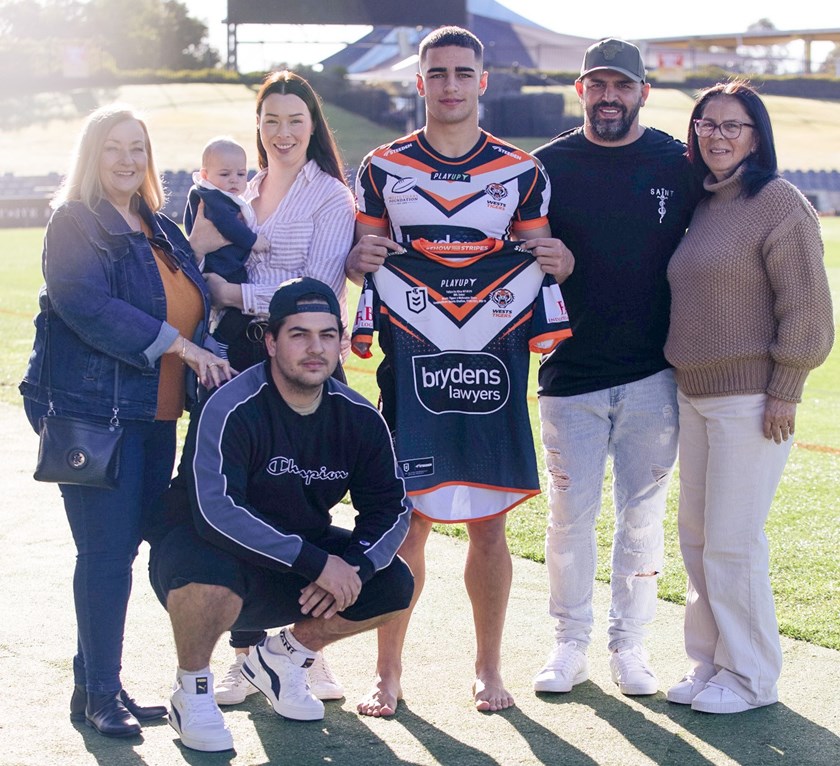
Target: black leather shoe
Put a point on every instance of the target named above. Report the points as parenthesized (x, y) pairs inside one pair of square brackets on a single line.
[(77, 703), (140, 712), (107, 714)]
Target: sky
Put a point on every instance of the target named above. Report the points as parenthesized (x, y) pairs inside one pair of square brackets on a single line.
[(604, 18)]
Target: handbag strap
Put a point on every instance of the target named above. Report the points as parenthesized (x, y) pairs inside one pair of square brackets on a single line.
[(115, 408)]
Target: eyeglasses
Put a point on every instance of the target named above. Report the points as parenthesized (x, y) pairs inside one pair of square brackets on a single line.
[(728, 128)]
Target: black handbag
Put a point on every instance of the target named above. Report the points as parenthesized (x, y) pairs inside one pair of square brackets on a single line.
[(77, 451)]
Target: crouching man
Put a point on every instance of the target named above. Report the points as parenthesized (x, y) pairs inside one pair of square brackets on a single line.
[(246, 541)]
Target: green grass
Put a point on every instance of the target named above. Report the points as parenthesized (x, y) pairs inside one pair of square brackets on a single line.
[(804, 525), (805, 131), (20, 277), (183, 117)]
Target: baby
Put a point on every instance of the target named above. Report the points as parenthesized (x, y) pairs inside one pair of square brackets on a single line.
[(219, 184)]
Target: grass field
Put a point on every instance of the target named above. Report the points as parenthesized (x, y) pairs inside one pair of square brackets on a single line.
[(182, 118), (804, 526), (805, 131)]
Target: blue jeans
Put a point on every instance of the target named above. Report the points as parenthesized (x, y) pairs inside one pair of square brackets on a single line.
[(107, 528), (637, 425)]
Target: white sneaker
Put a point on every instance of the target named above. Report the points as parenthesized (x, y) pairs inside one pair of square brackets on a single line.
[(284, 684), (684, 692), (630, 670), (322, 681), (565, 667), (197, 718), (234, 687), (718, 699)]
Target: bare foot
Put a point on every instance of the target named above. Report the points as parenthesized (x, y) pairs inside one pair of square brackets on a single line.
[(382, 700), (490, 695)]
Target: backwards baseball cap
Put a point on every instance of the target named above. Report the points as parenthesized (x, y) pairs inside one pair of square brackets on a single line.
[(287, 300), (618, 55)]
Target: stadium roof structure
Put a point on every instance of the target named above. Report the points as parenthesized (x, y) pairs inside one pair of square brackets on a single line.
[(389, 54), (510, 41), (699, 48)]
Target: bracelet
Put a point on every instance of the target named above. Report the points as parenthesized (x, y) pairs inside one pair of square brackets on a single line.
[(183, 350)]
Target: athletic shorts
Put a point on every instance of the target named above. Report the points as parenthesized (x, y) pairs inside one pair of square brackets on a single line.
[(269, 596)]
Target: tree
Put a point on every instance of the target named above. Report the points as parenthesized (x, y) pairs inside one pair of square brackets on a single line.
[(157, 34), (769, 59), (184, 44), (831, 65), (134, 34)]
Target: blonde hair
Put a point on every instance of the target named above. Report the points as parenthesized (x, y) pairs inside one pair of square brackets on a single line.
[(83, 182)]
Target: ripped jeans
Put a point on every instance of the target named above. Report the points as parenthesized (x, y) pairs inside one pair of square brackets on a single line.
[(637, 425)]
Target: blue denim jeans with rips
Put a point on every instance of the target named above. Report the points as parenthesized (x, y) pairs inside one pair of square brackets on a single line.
[(637, 425)]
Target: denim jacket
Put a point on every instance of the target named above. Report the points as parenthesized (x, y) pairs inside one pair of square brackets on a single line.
[(106, 303)]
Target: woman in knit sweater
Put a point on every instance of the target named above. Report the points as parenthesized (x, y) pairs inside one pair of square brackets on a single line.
[(750, 317)]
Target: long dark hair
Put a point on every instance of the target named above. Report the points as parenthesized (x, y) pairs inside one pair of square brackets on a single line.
[(761, 166), (322, 147)]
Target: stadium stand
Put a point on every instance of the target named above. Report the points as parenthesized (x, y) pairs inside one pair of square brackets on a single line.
[(24, 200)]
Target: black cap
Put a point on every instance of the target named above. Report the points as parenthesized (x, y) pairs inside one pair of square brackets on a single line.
[(618, 55), (284, 302)]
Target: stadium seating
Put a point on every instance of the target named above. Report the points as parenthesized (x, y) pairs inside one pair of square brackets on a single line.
[(24, 200)]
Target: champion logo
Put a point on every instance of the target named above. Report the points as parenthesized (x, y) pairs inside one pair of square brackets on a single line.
[(278, 466)]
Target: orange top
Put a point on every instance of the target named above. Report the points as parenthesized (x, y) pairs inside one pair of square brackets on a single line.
[(184, 310)]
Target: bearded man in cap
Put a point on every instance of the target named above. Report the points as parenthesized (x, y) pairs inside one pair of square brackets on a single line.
[(622, 195), (247, 540)]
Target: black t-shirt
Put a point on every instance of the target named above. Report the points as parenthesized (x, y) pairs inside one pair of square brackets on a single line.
[(621, 211)]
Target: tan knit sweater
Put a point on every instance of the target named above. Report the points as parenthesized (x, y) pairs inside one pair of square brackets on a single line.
[(750, 303)]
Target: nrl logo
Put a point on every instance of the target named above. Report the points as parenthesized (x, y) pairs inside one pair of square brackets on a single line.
[(416, 299)]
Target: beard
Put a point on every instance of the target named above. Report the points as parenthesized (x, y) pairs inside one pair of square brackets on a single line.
[(613, 130)]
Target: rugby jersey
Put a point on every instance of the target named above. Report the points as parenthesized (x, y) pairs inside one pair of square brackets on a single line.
[(493, 190), (456, 321)]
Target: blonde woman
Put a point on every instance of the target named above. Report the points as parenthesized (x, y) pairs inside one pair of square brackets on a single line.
[(123, 298)]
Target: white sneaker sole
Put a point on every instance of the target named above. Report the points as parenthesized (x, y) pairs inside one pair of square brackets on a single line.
[(217, 744), (685, 695), (556, 686), (257, 671), (326, 692), (637, 690), (737, 706), (224, 698)]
